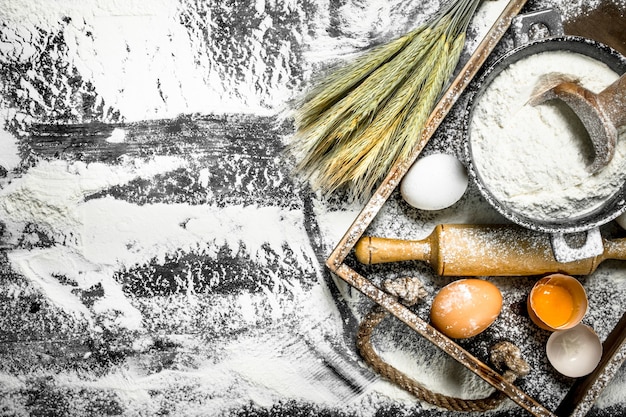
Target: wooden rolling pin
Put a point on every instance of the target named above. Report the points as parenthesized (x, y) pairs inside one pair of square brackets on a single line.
[(483, 250)]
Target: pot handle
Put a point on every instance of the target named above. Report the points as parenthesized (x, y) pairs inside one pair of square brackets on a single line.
[(563, 252), (534, 25)]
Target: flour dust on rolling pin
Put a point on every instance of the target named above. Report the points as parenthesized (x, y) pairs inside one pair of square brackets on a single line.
[(482, 250)]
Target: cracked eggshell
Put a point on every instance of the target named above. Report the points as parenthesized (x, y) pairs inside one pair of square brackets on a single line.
[(574, 352), (557, 302)]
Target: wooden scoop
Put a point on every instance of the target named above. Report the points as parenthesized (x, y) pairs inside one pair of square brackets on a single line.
[(601, 114)]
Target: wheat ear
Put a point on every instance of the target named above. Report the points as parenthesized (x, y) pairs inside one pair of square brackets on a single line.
[(369, 115)]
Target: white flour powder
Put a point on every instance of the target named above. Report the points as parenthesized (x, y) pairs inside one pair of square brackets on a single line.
[(534, 159)]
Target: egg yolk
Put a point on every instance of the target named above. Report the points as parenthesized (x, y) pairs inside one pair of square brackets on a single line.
[(553, 304)]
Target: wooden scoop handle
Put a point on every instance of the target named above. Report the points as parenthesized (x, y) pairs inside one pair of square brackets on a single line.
[(602, 113), (612, 100)]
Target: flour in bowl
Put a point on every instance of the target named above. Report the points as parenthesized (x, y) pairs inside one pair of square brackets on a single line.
[(534, 160)]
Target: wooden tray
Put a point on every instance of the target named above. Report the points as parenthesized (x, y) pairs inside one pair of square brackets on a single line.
[(584, 392)]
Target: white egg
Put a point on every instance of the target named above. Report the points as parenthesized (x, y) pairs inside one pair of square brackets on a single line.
[(574, 352), (434, 182)]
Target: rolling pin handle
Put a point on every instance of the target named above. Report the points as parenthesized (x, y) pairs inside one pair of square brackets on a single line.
[(362, 250), (370, 250)]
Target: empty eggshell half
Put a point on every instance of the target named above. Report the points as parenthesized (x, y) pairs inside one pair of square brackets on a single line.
[(574, 352), (434, 182)]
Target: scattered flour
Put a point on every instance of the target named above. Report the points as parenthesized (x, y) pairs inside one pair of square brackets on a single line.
[(9, 152), (100, 236), (156, 59)]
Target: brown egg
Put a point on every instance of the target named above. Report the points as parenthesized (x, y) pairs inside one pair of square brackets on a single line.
[(465, 308)]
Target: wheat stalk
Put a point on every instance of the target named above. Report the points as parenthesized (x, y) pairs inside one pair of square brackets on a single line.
[(367, 116), (328, 124), (374, 144)]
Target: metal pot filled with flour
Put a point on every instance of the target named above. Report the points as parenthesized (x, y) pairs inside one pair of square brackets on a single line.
[(540, 164)]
